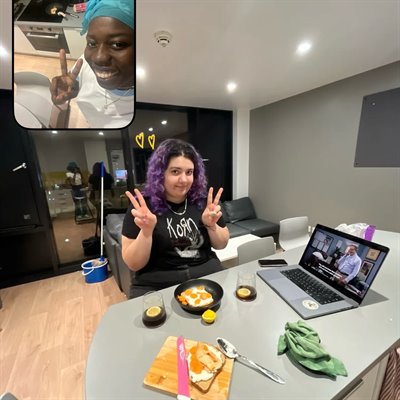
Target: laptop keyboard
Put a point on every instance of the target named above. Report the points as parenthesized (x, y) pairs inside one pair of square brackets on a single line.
[(311, 286)]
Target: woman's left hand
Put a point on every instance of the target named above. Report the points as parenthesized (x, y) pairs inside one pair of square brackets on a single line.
[(212, 213)]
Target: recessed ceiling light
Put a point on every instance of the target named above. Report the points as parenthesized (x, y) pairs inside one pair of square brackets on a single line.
[(164, 122), (101, 133), (3, 51), (140, 72), (151, 129), (54, 132), (231, 86), (304, 47), (66, 240)]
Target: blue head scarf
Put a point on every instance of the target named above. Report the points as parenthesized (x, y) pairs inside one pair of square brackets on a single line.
[(119, 9)]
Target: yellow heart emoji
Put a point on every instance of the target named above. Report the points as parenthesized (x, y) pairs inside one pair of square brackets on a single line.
[(140, 139), (152, 140)]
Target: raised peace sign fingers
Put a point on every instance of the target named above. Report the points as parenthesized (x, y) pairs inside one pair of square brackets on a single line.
[(212, 213), (212, 205), (63, 63), (64, 67), (143, 217), (140, 203), (65, 87)]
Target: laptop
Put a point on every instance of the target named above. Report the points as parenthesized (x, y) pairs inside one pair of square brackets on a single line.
[(334, 274)]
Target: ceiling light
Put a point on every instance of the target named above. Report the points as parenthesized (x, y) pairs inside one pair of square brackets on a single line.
[(164, 122), (151, 129), (3, 51), (304, 47), (140, 73), (231, 86), (101, 133), (66, 240), (54, 132)]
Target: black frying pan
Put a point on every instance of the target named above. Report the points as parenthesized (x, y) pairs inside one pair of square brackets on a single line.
[(53, 8), (212, 287)]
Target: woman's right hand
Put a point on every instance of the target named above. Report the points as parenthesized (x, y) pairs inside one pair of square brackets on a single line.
[(65, 87), (143, 217)]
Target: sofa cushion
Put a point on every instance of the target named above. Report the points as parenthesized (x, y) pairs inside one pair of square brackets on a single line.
[(110, 246), (236, 230), (240, 209), (224, 213), (114, 225), (259, 227)]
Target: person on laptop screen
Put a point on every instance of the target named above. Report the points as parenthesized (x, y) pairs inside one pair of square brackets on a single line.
[(349, 265)]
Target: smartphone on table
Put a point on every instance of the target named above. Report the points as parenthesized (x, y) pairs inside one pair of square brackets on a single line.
[(272, 263)]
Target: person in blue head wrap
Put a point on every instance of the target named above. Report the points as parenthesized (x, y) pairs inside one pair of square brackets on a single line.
[(102, 80)]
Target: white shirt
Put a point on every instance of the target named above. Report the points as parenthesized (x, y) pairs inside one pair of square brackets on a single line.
[(318, 255), (349, 265), (103, 108), (76, 178)]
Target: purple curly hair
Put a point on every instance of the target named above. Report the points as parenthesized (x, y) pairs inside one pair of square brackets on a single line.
[(158, 163)]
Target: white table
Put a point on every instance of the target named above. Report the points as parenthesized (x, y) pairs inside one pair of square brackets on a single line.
[(228, 255), (123, 350)]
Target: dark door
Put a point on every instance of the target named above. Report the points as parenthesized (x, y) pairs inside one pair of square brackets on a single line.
[(17, 198), (26, 242), (211, 134)]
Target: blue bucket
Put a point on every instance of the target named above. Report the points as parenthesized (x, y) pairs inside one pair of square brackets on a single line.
[(95, 273)]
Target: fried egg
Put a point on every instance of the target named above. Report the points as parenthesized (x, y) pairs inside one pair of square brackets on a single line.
[(204, 362), (196, 297)]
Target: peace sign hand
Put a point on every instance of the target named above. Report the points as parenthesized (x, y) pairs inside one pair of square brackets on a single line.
[(65, 87), (212, 213), (143, 217)]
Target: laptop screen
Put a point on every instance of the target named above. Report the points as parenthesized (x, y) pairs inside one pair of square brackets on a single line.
[(346, 262)]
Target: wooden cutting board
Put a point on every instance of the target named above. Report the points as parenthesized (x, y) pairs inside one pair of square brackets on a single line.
[(163, 373)]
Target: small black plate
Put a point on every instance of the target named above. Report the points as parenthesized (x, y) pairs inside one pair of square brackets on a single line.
[(212, 287)]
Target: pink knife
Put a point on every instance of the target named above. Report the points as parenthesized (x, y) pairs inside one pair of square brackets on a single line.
[(183, 373)]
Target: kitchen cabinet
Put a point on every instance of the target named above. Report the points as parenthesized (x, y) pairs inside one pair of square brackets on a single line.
[(370, 384), (60, 201), (76, 44), (21, 43)]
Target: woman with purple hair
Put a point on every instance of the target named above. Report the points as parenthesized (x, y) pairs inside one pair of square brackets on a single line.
[(169, 230)]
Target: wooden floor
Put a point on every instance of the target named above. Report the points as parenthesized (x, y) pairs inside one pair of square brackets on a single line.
[(45, 332), (69, 235)]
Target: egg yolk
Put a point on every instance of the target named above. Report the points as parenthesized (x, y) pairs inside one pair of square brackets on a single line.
[(195, 365)]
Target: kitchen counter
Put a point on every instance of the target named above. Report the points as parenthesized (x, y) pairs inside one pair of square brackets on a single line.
[(71, 23), (70, 33)]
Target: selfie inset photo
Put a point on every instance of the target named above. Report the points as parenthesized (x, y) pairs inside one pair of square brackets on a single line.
[(74, 64)]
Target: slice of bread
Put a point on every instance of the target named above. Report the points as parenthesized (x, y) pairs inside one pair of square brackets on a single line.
[(205, 362)]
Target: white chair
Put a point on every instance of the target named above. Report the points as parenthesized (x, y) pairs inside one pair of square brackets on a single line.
[(7, 396), (255, 249), (33, 92), (293, 232)]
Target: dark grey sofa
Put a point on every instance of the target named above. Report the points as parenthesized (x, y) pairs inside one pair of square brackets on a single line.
[(112, 241), (241, 219)]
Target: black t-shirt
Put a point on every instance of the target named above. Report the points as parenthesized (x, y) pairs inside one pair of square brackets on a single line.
[(179, 241)]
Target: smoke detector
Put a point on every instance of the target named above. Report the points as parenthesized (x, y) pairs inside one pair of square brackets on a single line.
[(163, 38)]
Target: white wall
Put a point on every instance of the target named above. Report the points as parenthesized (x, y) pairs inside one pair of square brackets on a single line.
[(95, 151), (55, 153), (302, 152)]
